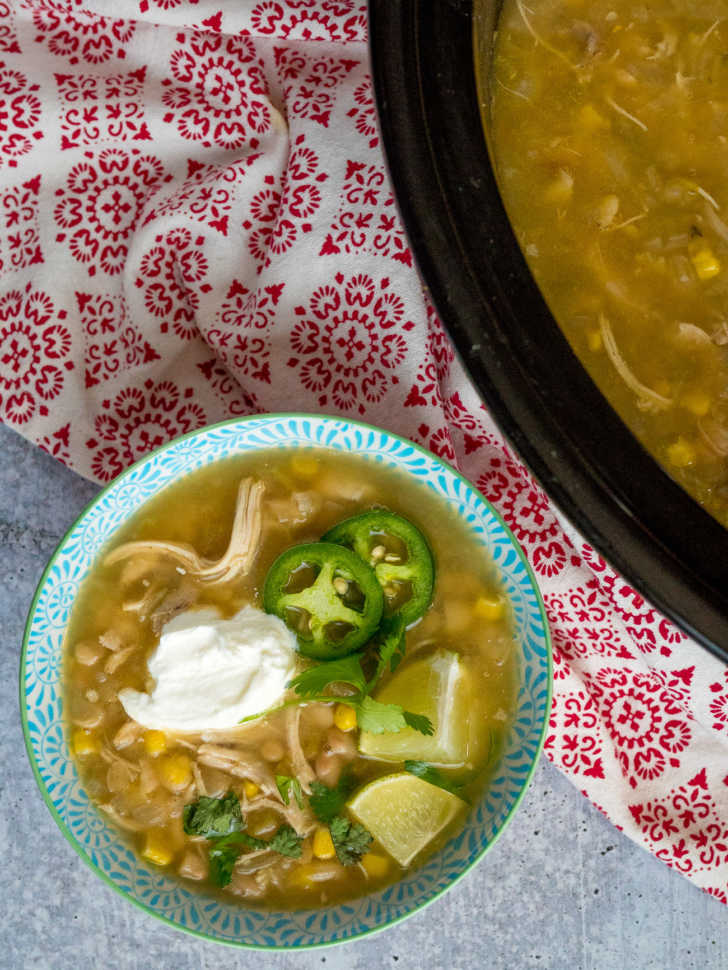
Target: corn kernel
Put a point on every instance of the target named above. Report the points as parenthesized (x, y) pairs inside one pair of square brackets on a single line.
[(85, 743), (344, 717), (304, 465), (591, 119), (155, 743), (488, 608), (594, 340), (697, 402), (323, 844), (681, 453), (175, 771), (376, 866), (157, 849), (250, 788), (706, 264), (663, 387)]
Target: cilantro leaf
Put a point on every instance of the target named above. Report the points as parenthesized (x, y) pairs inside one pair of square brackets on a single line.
[(213, 817), (419, 722), (225, 851), (224, 854), (346, 670), (351, 840), (222, 863), (286, 841), (431, 774), (391, 648), (286, 785), (328, 802), (379, 718)]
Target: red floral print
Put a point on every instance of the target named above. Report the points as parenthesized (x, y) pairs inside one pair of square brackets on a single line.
[(685, 829), (35, 354), (208, 193), (58, 443), (218, 95), (335, 20), (310, 82), (20, 112), (19, 230), (241, 334), (100, 108), (237, 401), (113, 343), (719, 704), (647, 727), (364, 113), (434, 370), (574, 740), (138, 420), (80, 35), (171, 279), (101, 204), (347, 343), (367, 219), (8, 37), (282, 214)]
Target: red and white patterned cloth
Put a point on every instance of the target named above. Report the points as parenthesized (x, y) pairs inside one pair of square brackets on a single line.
[(195, 223)]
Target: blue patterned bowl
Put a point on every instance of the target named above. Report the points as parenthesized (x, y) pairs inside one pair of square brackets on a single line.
[(41, 692)]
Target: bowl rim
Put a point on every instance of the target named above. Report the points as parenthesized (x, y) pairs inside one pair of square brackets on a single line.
[(68, 835)]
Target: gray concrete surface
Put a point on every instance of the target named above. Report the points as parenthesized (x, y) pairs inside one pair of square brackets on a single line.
[(562, 889)]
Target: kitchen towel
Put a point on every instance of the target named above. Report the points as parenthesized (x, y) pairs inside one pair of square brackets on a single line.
[(196, 223)]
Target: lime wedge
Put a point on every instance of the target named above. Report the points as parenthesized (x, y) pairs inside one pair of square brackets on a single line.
[(404, 813), (439, 686)]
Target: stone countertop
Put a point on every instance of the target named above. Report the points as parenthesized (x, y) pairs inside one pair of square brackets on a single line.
[(561, 889)]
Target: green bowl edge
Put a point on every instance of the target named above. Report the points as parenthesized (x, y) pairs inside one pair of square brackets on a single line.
[(239, 944)]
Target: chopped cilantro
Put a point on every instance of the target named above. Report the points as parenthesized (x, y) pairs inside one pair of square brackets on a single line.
[(316, 679), (221, 822), (286, 785), (213, 817), (381, 718), (419, 722), (328, 802), (286, 841), (351, 840), (435, 777)]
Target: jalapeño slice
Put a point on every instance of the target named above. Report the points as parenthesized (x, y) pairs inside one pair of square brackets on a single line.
[(399, 555), (327, 595)]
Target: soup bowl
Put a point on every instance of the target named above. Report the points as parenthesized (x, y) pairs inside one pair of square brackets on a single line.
[(42, 696)]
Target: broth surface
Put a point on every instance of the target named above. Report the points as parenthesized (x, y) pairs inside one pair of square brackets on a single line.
[(608, 130), (144, 779)]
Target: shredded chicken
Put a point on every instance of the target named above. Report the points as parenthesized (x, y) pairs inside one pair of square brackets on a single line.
[(118, 659), (688, 333), (648, 399), (127, 734), (173, 603), (253, 861), (238, 763), (199, 781), (239, 555), (121, 820), (301, 768), (301, 819), (714, 435), (111, 640)]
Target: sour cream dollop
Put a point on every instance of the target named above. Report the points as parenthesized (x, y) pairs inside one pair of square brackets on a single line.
[(209, 673)]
